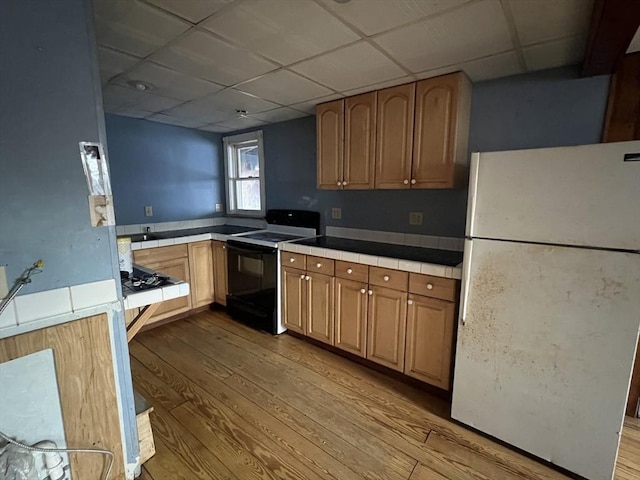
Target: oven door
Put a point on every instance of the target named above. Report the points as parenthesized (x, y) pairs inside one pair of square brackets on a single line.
[(252, 275)]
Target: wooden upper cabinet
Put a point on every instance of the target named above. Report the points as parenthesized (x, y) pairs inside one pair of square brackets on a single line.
[(330, 144), (394, 136), (441, 132), (360, 138)]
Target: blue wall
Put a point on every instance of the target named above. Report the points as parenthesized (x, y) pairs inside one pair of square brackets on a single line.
[(544, 109), (178, 171), (49, 101)]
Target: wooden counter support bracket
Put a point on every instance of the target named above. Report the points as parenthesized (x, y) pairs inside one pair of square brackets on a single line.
[(140, 320)]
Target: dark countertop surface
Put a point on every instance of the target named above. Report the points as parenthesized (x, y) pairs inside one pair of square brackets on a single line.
[(221, 229), (417, 254)]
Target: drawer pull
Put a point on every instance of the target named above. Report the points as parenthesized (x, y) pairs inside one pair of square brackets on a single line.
[(370, 292), (349, 271), (362, 290), (307, 277), (386, 278), (318, 265), (429, 286), (292, 259), (410, 302)]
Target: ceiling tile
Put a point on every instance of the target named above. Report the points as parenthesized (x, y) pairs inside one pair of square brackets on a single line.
[(116, 97), (567, 51), (542, 20), (350, 67), (169, 83), (501, 65), (201, 111), (375, 16), (180, 122), (309, 106), (282, 30), (192, 10), (379, 86), (113, 63), (242, 123), (132, 112), (216, 128), (634, 46), (202, 55), (284, 87), (476, 30), (133, 27), (279, 115)]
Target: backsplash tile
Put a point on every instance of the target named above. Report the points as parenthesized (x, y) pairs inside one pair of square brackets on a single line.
[(90, 294), (43, 304), (8, 318), (411, 239)]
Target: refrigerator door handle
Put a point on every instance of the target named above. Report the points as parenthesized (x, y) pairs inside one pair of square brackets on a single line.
[(466, 279)]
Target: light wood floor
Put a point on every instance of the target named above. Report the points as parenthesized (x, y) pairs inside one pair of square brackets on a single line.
[(234, 403)]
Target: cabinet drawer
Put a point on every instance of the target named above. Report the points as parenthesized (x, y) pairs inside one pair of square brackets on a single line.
[(352, 271), (320, 265), (386, 277), (294, 260), (435, 287), (160, 254)]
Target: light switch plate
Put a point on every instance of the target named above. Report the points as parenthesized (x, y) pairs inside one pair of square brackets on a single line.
[(218, 207), (336, 213), (148, 211), (4, 286), (415, 218)]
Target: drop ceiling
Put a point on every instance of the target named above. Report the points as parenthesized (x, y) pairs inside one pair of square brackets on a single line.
[(277, 59)]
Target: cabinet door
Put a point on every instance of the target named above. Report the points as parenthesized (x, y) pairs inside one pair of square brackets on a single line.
[(319, 305), (360, 138), (220, 272), (351, 316), (430, 325), (330, 138), (387, 327), (201, 272), (294, 288), (178, 268), (435, 132), (394, 136)]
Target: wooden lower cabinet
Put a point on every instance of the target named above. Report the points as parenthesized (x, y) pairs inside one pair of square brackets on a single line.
[(177, 268), (351, 301), (201, 273), (293, 296), (220, 272), (319, 307), (430, 324), (387, 327)]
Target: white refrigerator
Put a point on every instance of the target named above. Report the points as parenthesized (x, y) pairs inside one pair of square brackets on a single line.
[(550, 301)]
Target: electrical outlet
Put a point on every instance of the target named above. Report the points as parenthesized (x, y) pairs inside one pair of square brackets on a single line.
[(336, 213), (218, 207), (148, 211), (415, 218), (4, 286)]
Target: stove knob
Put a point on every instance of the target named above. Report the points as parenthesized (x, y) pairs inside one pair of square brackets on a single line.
[(386, 278), (429, 286), (318, 265), (362, 290), (349, 271)]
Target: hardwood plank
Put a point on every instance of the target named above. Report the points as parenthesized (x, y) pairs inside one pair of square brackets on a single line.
[(166, 465), (439, 468), (86, 383), (153, 387)]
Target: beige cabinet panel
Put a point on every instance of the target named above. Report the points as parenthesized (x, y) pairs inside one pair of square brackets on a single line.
[(220, 272), (201, 272), (330, 140), (319, 307), (359, 144), (351, 300), (387, 327), (394, 136), (294, 287), (430, 324)]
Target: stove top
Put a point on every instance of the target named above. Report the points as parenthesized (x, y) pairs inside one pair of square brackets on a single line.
[(274, 236)]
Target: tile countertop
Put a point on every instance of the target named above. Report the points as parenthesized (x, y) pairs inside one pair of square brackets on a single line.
[(176, 237), (140, 298), (429, 261)]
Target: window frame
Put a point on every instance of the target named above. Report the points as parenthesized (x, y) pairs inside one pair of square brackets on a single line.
[(230, 143)]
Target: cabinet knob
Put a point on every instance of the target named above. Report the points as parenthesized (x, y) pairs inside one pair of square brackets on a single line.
[(429, 286), (362, 290), (410, 302), (318, 265), (413, 181), (386, 278), (344, 184), (349, 271), (370, 292), (307, 277), (292, 259), (406, 182), (302, 277), (339, 184), (224, 247)]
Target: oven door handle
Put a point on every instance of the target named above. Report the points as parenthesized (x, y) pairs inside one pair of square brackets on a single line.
[(249, 248)]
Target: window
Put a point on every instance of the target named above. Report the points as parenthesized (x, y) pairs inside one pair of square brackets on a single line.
[(244, 161)]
